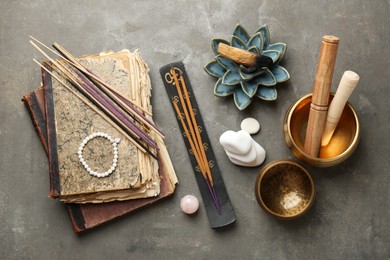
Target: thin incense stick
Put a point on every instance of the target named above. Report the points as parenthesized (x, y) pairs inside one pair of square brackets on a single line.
[(93, 90), (105, 87), (87, 92), (192, 122), (203, 153), (196, 154), (197, 157), (105, 112), (60, 66), (142, 117), (79, 66), (180, 94), (123, 103), (214, 195), (65, 71), (107, 108), (196, 144), (88, 103), (120, 100)]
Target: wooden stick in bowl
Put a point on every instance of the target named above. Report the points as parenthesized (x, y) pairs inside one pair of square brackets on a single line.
[(320, 98), (347, 84)]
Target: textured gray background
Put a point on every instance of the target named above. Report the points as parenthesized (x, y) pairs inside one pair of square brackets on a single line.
[(350, 218)]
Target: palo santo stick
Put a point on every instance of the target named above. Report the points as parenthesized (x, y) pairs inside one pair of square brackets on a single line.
[(91, 106), (320, 98), (199, 138), (246, 58), (347, 84)]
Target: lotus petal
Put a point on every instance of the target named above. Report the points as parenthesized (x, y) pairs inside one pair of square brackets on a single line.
[(226, 63), (266, 93), (238, 43), (215, 42), (221, 90), (254, 49), (247, 69), (231, 77), (280, 74), (265, 33), (241, 33), (241, 99), (249, 87), (266, 79), (256, 40), (247, 74), (213, 68), (274, 55), (280, 47)]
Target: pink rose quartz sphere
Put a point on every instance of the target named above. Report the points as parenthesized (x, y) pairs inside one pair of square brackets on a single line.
[(189, 204)]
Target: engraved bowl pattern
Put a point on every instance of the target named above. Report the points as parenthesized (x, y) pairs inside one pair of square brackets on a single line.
[(285, 189)]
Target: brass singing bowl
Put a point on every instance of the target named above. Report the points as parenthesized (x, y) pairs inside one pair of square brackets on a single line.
[(342, 144), (285, 189)]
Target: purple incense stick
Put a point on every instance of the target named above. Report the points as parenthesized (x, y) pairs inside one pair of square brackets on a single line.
[(214, 195), (107, 103), (124, 100)]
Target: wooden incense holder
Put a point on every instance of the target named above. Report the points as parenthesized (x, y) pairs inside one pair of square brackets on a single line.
[(243, 57), (321, 91), (225, 214)]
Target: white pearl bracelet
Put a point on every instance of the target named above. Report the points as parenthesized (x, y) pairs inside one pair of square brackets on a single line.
[(114, 142)]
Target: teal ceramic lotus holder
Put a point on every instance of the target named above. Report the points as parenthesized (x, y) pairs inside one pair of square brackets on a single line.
[(244, 82)]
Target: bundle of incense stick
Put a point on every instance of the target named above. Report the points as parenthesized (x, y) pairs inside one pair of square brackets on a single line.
[(192, 133), (120, 112)]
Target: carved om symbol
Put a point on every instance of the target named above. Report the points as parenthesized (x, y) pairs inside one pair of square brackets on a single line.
[(169, 76)]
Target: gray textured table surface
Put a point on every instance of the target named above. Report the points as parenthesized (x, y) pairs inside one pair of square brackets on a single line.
[(349, 219)]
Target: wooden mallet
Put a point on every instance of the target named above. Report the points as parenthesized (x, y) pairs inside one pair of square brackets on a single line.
[(347, 84), (321, 92)]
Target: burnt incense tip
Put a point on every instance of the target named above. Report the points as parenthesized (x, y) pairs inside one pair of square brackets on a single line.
[(244, 57), (263, 61)]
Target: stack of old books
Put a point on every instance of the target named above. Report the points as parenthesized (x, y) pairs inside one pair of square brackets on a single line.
[(93, 117)]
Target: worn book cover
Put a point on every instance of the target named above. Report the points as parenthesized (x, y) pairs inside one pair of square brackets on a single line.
[(70, 120), (86, 216), (90, 215)]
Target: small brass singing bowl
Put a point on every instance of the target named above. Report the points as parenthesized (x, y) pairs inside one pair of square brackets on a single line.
[(284, 189), (343, 143)]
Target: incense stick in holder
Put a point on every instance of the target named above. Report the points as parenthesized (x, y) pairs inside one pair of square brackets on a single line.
[(321, 91)]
